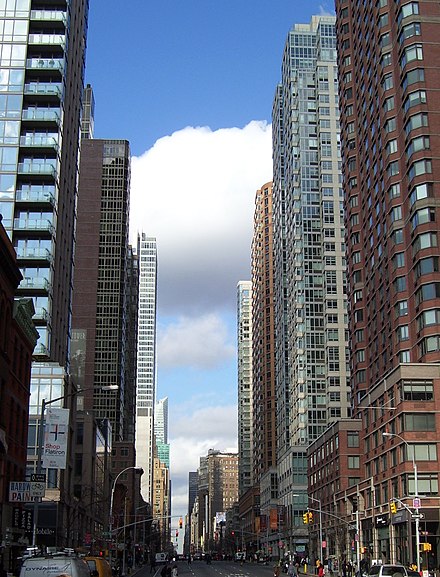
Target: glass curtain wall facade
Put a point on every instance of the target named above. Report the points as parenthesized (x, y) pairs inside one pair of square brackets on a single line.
[(42, 61), (310, 303)]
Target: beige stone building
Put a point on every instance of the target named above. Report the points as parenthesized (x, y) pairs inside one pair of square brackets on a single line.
[(218, 491), (161, 501)]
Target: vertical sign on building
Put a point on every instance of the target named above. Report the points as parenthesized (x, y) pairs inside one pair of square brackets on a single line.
[(55, 439)]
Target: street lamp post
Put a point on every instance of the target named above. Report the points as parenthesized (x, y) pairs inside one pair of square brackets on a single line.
[(110, 524), (416, 500), (44, 404), (320, 525)]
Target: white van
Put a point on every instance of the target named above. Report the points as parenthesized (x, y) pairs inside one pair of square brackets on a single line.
[(58, 565)]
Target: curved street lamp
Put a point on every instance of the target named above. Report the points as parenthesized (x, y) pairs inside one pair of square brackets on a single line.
[(416, 500), (110, 525)]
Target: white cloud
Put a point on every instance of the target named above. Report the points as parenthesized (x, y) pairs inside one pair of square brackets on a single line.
[(191, 437), (201, 342), (194, 191)]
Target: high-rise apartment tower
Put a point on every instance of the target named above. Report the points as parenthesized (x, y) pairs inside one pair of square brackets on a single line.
[(264, 451), (388, 54), (244, 340), (312, 386)]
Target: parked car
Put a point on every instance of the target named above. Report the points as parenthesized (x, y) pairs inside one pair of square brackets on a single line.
[(388, 570)]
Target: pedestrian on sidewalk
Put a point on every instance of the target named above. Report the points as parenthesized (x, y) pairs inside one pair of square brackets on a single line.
[(152, 563)]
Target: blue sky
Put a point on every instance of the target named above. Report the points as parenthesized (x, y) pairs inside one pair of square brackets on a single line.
[(190, 84)]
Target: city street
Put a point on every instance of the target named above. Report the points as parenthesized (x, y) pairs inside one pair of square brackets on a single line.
[(215, 569)]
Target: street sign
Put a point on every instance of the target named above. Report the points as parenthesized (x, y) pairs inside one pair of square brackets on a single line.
[(416, 503), (38, 477), (25, 492)]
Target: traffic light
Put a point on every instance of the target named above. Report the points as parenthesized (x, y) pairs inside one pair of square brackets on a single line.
[(393, 507), (180, 523), (426, 546), (305, 518), (310, 514)]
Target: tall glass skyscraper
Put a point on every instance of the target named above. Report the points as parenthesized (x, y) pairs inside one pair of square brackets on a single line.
[(310, 303), (41, 83), (146, 361), (42, 58)]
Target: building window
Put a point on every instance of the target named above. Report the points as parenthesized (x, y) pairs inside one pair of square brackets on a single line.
[(353, 461), (422, 216), (407, 10), (402, 333), (414, 99), (352, 439), (416, 121), (399, 258), (419, 422), (426, 452), (399, 283), (388, 104), (387, 81), (417, 144), (420, 192), (428, 318), (426, 266), (401, 308), (430, 344), (390, 125), (391, 147), (411, 53), (413, 76), (394, 190), (409, 31), (415, 390), (405, 356), (427, 292), (427, 484), (424, 240)]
